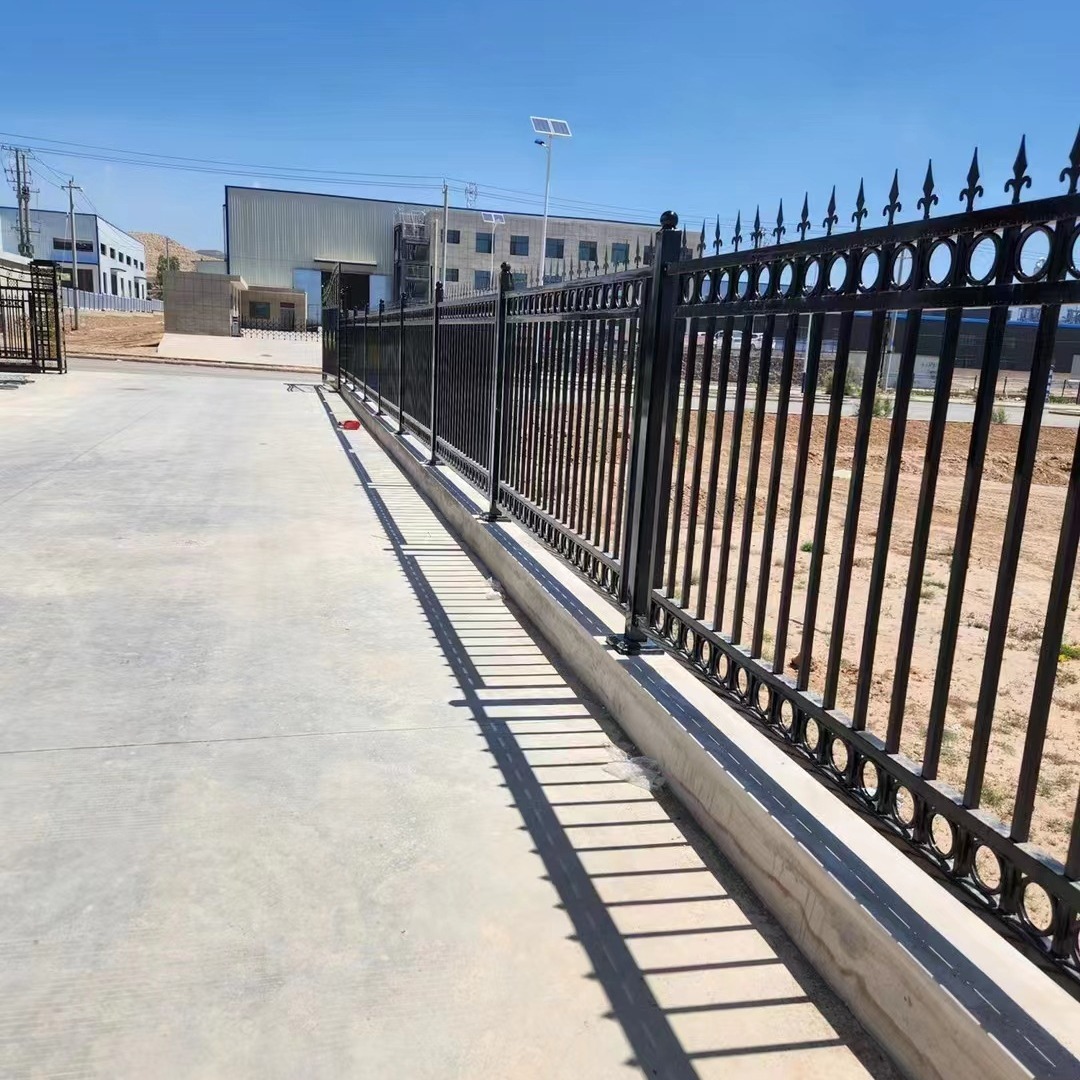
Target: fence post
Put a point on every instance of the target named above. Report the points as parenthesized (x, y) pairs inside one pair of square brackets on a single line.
[(433, 416), (497, 394), (654, 402), (378, 338), (363, 358), (401, 365)]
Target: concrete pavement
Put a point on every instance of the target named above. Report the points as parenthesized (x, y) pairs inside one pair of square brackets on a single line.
[(288, 791)]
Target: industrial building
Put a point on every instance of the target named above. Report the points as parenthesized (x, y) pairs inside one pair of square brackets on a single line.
[(108, 260), (292, 239)]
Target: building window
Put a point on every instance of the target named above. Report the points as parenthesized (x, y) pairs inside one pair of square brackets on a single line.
[(521, 281), (647, 255), (452, 274), (259, 309), (519, 245), (586, 251), (483, 243), (554, 249), (104, 250), (129, 260), (453, 236), (142, 265), (112, 253), (61, 245), (482, 278), (620, 253)]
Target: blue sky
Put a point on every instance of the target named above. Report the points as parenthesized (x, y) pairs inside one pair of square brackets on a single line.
[(725, 107)]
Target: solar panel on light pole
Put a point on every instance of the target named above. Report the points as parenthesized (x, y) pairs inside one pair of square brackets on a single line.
[(550, 129)]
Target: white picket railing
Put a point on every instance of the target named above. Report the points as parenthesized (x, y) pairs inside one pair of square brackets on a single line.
[(89, 301)]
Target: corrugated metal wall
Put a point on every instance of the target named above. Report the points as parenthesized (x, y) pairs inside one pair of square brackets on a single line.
[(272, 233)]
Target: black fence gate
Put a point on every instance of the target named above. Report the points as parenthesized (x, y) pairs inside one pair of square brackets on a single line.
[(31, 326), (331, 311), (729, 448)]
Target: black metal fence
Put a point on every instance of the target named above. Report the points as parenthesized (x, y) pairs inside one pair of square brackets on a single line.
[(31, 326), (876, 590)]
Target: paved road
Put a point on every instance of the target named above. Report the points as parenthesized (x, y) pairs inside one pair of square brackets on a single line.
[(288, 791)]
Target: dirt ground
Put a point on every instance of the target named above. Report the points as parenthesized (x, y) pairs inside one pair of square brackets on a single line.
[(114, 334), (1057, 789)]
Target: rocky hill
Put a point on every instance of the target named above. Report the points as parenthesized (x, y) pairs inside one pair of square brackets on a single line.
[(155, 248)]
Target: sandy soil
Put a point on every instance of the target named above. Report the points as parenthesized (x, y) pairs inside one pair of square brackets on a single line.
[(1057, 790), (114, 334)]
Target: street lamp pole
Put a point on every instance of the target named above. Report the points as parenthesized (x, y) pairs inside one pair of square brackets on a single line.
[(547, 194), (549, 129)]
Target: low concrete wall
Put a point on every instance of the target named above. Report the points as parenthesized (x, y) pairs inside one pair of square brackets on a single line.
[(945, 994), (200, 303)]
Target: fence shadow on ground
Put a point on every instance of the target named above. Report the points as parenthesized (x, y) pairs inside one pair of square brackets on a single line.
[(698, 977)]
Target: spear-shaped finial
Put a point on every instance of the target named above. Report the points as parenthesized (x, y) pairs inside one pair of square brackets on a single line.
[(860, 208), (894, 198), (804, 218), (736, 240), (701, 241), (779, 231), (974, 190), (759, 233), (928, 197), (716, 238), (1020, 179), (1073, 169), (830, 219), (637, 253)]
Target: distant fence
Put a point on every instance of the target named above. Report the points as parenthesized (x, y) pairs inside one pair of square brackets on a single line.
[(919, 664), (89, 301)]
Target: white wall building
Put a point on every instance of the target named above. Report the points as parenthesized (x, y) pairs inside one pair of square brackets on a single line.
[(108, 259)]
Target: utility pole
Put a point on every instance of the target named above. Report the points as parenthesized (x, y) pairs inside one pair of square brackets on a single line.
[(72, 187), (22, 194), (445, 222)]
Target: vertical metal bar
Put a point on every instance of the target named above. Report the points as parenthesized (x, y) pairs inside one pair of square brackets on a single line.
[(628, 364), (596, 368), (699, 453), (683, 412), (378, 398), (965, 532), (921, 534), (400, 365), (1041, 362), (498, 390), (578, 426), (1046, 672), (874, 347), (712, 484), (905, 381), (734, 451), (652, 406), (364, 357), (607, 466), (1072, 860), (787, 371), (821, 521), (750, 502), (551, 466), (433, 417), (567, 360)]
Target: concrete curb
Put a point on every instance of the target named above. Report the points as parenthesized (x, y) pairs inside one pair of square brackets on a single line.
[(232, 365), (943, 993)]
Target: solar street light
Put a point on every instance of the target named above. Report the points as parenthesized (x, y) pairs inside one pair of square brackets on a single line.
[(551, 130)]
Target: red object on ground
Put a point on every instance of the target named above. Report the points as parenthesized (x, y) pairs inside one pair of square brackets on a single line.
[(350, 425)]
